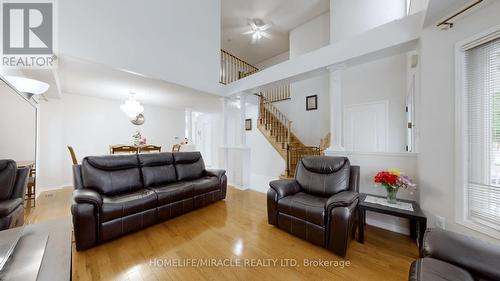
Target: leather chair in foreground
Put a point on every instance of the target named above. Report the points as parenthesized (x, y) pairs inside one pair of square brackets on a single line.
[(319, 205), (12, 189), (118, 194), (447, 255)]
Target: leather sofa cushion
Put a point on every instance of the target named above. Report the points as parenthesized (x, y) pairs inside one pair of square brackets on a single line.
[(7, 206), (8, 170), (304, 206), (189, 165), (429, 269), (117, 206), (205, 184), (112, 174), (174, 192), (323, 175), (157, 168)]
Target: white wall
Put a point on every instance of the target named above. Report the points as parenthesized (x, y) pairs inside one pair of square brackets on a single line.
[(274, 60), (351, 17), (90, 125), (437, 112), (17, 126), (266, 163), (303, 39), (310, 36), (179, 40), (381, 80)]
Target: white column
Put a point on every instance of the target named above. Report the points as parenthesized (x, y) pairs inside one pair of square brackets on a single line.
[(224, 121), (189, 125), (242, 119), (336, 108)]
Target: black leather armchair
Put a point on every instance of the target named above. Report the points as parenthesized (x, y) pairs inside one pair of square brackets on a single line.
[(319, 205), (447, 255), (12, 189)]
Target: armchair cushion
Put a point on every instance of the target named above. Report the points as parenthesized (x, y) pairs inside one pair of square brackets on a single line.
[(304, 206), (344, 198), (284, 188), (87, 196), (7, 206), (323, 175), (457, 248)]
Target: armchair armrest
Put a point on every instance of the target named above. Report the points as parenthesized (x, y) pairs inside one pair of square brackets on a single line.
[(470, 253), (342, 199), (354, 179), (215, 173), (87, 196), (284, 188)]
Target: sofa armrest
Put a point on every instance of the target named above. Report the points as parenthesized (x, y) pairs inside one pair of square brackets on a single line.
[(20, 185), (342, 199), (215, 173), (87, 196), (284, 188), (470, 253)]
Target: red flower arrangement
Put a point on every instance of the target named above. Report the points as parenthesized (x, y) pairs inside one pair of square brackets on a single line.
[(386, 178)]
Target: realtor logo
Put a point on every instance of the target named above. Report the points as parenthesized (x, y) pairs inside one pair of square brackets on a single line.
[(28, 34)]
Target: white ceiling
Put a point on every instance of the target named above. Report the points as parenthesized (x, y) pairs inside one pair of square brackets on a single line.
[(91, 79), (173, 40), (285, 15)]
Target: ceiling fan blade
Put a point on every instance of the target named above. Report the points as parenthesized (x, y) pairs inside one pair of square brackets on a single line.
[(265, 27), (248, 32), (266, 35), (253, 25)]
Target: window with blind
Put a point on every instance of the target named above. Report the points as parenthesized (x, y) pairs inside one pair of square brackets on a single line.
[(482, 78)]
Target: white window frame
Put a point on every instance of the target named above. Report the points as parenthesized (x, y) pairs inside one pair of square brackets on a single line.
[(461, 118)]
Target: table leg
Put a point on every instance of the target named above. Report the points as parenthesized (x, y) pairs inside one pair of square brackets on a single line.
[(421, 226), (413, 229), (361, 225)]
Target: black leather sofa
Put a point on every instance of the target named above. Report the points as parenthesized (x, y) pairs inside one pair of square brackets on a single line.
[(12, 189), (115, 195), (319, 205), (447, 255)]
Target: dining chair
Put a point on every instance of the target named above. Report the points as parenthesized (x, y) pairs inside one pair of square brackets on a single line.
[(176, 148), (149, 148), (31, 187), (73, 155), (119, 149)]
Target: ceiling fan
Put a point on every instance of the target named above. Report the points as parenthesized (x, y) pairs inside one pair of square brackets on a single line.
[(259, 30)]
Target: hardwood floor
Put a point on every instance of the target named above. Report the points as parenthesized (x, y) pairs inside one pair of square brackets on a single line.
[(235, 228)]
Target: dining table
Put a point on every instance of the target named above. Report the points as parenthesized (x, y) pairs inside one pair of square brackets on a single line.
[(25, 164)]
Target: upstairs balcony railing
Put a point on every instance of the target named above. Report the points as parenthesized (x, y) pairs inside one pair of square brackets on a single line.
[(234, 68)]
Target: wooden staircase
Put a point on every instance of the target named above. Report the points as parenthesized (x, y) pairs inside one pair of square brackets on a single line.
[(276, 127)]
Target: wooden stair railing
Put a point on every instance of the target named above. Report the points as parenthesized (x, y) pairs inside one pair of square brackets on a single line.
[(234, 68), (279, 93), (277, 128)]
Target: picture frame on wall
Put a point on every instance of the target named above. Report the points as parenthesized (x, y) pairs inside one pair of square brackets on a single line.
[(312, 102), (248, 124)]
